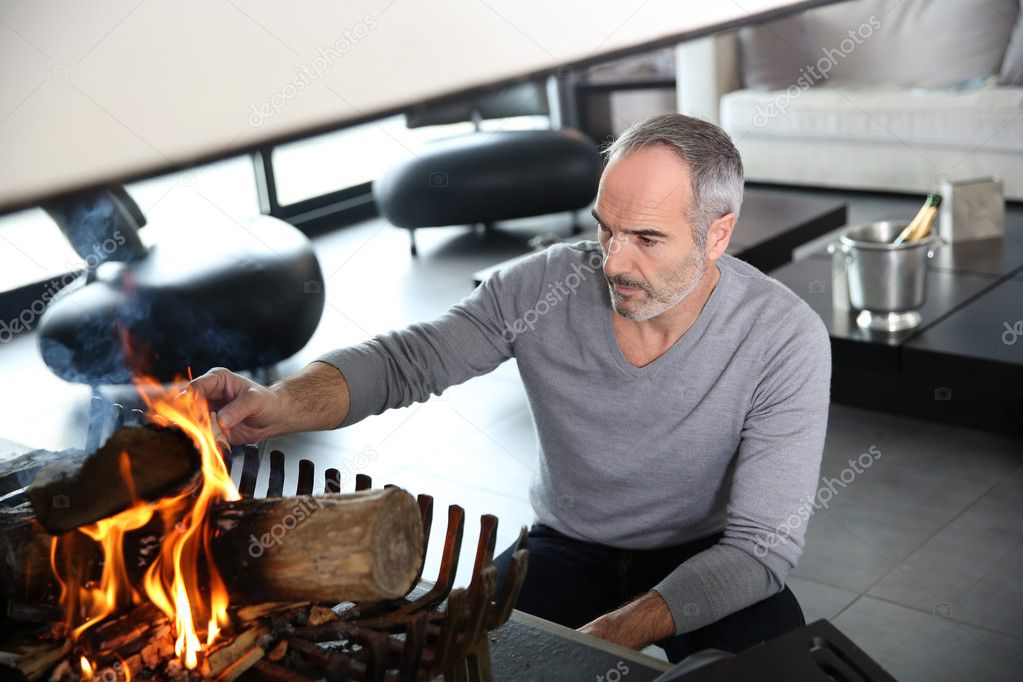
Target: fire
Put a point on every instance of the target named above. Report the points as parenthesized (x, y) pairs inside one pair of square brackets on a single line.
[(86, 668), (183, 581)]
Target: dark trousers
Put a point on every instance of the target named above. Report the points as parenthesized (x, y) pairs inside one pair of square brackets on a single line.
[(572, 582)]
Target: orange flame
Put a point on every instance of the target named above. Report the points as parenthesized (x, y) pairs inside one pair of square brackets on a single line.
[(174, 582)]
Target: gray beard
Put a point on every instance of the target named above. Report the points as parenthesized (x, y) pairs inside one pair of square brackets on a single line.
[(682, 283)]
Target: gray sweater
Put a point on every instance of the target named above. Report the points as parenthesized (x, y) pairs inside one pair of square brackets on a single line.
[(723, 432)]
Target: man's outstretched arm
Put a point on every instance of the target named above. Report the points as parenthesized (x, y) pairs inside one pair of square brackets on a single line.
[(391, 370)]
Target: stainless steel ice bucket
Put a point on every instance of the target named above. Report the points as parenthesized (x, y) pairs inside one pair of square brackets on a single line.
[(885, 278)]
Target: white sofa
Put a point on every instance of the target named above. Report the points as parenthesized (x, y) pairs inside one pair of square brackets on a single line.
[(871, 94)]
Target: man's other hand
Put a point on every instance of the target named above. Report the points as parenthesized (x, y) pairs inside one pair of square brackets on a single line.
[(635, 625)]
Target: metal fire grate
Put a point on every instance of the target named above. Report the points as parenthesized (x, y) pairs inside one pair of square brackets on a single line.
[(434, 630)]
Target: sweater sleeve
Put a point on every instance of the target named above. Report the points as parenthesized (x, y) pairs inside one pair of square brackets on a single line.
[(471, 338), (773, 482)]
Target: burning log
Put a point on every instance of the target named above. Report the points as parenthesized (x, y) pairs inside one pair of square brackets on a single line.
[(136, 462), (33, 613), (241, 664), (238, 655), (118, 634), (342, 547), (254, 611), (276, 673), (32, 663), (123, 646), (357, 547), (24, 556)]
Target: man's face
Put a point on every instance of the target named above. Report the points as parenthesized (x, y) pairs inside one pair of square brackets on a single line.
[(651, 261)]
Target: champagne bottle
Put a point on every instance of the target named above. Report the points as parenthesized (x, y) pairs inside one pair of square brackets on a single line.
[(920, 227), (926, 225)]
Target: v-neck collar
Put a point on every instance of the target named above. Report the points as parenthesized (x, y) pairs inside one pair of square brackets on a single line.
[(681, 345)]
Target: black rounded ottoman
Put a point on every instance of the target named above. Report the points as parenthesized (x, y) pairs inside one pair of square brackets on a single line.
[(242, 296), (487, 176)]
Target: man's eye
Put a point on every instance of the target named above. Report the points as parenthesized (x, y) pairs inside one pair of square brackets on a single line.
[(647, 241)]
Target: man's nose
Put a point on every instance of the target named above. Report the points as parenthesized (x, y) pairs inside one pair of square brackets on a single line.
[(616, 259)]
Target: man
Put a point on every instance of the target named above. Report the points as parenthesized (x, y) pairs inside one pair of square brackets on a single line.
[(680, 398)]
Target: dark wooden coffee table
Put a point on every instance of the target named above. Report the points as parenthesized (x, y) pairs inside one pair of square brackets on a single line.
[(529, 649), (962, 365), (770, 226)]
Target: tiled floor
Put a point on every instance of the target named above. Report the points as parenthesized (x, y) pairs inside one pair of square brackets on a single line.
[(917, 559)]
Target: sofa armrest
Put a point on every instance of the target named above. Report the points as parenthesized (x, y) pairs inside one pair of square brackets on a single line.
[(706, 69)]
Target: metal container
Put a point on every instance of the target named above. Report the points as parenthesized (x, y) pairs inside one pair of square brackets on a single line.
[(839, 278), (887, 282)]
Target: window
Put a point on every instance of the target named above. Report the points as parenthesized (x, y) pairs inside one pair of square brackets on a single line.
[(33, 249), (357, 155)]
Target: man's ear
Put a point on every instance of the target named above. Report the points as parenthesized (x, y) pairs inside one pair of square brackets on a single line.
[(719, 234)]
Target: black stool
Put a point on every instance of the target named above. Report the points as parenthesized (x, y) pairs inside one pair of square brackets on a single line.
[(242, 296), (483, 177)]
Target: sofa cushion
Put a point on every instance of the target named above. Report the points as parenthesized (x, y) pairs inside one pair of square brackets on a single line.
[(882, 42), (771, 54), (988, 117)]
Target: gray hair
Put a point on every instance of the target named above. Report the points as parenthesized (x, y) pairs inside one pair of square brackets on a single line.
[(714, 162)]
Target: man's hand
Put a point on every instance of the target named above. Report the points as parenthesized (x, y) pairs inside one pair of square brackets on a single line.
[(314, 398), (635, 625), (248, 412)]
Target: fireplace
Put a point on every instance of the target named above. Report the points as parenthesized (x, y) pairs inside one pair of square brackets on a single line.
[(243, 619)]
